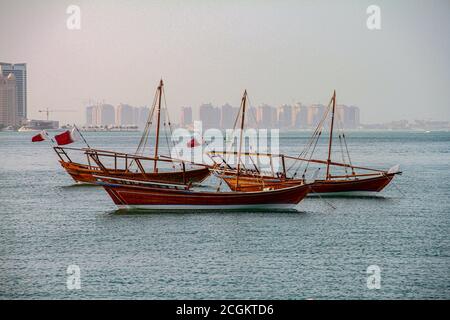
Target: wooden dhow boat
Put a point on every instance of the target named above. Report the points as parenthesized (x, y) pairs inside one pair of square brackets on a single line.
[(135, 194), (119, 164), (250, 180), (139, 194), (253, 180)]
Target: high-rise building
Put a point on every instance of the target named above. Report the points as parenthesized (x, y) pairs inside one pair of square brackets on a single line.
[(8, 102), (252, 117), (315, 114), (300, 116), (265, 116), (105, 115), (141, 116), (164, 118), (210, 116), (91, 115), (341, 115), (228, 116), (284, 116), (20, 73), (355, 117), (348, 116), (125, 115), (186, 116)]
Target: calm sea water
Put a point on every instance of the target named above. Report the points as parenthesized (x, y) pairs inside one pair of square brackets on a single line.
[(49, 223)]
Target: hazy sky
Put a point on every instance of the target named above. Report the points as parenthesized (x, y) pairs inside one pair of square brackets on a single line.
[(210, 51)]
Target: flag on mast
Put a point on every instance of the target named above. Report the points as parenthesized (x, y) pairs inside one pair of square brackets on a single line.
[(67, 137), (39, 137), (193, 143)]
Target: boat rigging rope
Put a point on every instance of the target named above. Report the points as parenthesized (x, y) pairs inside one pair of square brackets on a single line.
[(252, 115), (342, 153), (324, 200), (310, 157), (170, 144), (227, 155), (398, 189), (165, 135), (318, 134), (312, 143), (312, 140), (144, 138), (304, 152), (348, 154), (341, 128)]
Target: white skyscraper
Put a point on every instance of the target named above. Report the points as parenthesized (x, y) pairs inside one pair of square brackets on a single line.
[(20, 73), (300, 116), (106, 115), (141, 116), (266, 116), (186, 116), (284, 116), (228, 116), (125, 115), (91, 115), (210, 116), (8, 103)]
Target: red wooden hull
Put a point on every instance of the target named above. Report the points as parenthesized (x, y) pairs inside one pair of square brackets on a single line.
[(372, 184), (375, 184), (138, 196), (84, 173), (251, 183)]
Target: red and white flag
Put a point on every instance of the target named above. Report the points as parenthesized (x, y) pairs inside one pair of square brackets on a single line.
[(193, 143), (41, 136), (66, 137)]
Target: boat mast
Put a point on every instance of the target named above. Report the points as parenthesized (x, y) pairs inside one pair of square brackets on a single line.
[(158, 116), (244, 98), (331, 135)]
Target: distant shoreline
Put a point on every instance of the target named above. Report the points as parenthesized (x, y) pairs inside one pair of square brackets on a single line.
[(281, 130)]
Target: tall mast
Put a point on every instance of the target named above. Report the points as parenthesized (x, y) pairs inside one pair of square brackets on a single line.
[(331, 135), (244, 98), (158, 120)]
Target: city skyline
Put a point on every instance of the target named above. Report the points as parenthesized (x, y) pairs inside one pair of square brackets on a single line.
[(285, 116), (212, 53), (263, 116)]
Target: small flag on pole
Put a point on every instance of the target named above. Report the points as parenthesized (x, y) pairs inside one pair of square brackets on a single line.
[(39, 137), (193, 143), (66, 137)]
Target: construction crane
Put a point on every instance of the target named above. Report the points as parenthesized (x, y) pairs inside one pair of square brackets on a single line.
[(48, 111)]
